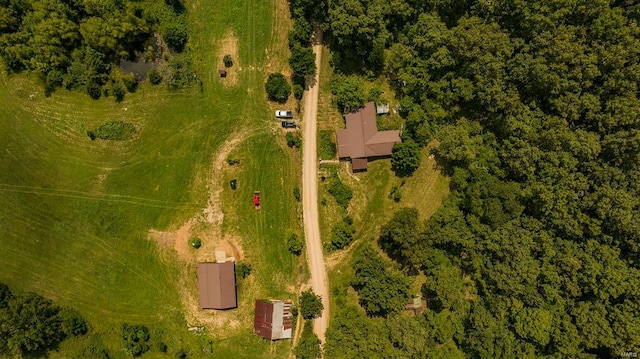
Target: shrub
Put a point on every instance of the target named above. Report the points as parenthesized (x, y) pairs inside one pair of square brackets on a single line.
[(293, 140), (277, 87), (180, 73), (195, 242), (72, 323), (298, 91), (374, 94), (94, 90), (341, 192), (176, 37), (243, 269), (136, 339), (114, 131), (294, 244), (296, 193), (227, 60), (130, 82), (395, 194), (118, 91), (154, 76), (342, 234)]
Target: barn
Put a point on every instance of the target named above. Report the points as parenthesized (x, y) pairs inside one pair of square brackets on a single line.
[(273, 319), (217, 285)]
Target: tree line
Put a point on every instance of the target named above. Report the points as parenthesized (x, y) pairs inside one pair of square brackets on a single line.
[(31, 324), (536, 109)]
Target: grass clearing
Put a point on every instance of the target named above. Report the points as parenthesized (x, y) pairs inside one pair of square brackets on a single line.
[(77, 212)]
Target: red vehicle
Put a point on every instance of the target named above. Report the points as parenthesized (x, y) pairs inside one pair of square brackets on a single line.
[(256, 199)]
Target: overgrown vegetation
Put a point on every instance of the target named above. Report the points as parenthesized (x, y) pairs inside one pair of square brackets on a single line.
[(327, 150), (342, 234), (295, 245), (114, 131), (293, 139), (243, 269), (340, 191)]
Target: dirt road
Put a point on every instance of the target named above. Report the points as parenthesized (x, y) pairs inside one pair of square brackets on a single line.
[(310, 198)]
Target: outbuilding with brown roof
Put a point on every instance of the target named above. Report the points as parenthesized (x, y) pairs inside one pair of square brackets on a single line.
[(217, 285), (273, 319)]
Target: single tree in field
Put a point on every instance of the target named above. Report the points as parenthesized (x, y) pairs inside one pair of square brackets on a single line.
[(277, 88), (227, 60), (310, 305)]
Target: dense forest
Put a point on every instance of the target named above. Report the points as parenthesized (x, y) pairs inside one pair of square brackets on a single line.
[(78, 44), (535, 106)]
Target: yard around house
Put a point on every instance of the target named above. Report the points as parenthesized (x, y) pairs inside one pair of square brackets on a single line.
[(77, 213)]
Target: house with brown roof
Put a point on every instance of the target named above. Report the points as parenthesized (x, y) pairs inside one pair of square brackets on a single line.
[(361, 140), (273, 319), (217, 285)]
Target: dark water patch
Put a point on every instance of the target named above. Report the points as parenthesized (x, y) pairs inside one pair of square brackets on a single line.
[(137, 67)]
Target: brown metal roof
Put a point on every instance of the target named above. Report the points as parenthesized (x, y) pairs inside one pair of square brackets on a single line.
[(361, 138), (273, 319), (359, 164), (217, 284), (263, 318)]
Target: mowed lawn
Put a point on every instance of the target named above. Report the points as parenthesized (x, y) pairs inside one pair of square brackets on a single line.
[(76, 213)]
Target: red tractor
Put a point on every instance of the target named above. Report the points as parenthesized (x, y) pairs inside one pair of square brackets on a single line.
[(256, 199)]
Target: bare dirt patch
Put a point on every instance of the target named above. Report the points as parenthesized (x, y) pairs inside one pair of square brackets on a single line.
[(206, 225), (229, 46)]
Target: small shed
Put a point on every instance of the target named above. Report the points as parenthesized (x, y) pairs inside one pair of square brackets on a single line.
[(273, 319), (382, 108), (222, 73), (217, 285), (415, 304)]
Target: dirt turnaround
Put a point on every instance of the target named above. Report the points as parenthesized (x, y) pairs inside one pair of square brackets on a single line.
[(319, 282)]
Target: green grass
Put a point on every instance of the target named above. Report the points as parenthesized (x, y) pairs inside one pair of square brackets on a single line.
[(76, 212), (326, 145)]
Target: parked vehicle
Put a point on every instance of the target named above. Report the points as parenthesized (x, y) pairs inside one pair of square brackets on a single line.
[(288, 124), (256, 199), (284, 114)]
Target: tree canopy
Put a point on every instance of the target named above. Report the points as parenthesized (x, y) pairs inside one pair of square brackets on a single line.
[(535, 109), (78, 44), (30, 323), (277, 87)]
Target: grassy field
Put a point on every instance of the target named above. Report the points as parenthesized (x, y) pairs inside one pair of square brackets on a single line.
[(76, 213)]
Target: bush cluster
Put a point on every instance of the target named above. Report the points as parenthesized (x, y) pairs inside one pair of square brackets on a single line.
[(342, 234), (341, 192)]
